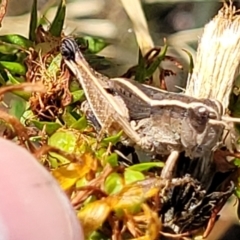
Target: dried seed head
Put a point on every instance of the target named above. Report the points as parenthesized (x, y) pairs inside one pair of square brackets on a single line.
[(218, 58), (49, 104)]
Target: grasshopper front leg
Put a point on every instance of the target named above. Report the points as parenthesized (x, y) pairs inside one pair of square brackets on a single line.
[(167, 171)]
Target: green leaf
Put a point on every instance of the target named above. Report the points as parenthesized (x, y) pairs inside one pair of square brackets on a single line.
[(237, 162), (235, 109), (50, 127), (191, 64), (152, 68), (54, 66), (89, 200), (94, 44), (14, 80), (80, 124), (237, 189), (145, 166), (28, 114), (131, 176), (57, 24), (99, 62), (17, 40), (33, 22), (36, 139), (8, 57), (140, 69), (64, 140), (81, 182), (14, 67), (237, 192), (17, 107), (68, 119), (100, 153), (21, 56), (70, 141), (74, 86), (97, 236), (112, 160), (43, 19), (2, 80), (113, 183), (77, 96), (56, 160), (73, 111), (19, 79), (7, 49), (112, 139), (237, 82), (11, 79)]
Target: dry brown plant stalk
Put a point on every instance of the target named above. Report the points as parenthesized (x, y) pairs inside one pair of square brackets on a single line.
[(28, 87), (218, 57), (134, 11), (20, 130)]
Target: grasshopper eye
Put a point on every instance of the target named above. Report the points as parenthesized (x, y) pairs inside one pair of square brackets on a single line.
[(202, 110)]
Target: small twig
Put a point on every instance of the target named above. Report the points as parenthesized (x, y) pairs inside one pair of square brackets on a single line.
[(28, 87), (95, 182), (3, 9), (20, 130)]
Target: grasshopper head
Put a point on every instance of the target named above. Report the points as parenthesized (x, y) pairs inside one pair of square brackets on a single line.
[(198, 134), (69, 48), (199, 116)]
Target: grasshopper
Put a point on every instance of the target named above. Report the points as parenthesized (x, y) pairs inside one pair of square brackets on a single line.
[(156, 121), (171, 120), (179, 123)]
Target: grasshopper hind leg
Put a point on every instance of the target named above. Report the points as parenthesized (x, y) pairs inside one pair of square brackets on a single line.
[(122, 150), (85, 108)]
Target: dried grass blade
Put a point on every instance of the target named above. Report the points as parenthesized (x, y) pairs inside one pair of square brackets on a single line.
[(135, 12)]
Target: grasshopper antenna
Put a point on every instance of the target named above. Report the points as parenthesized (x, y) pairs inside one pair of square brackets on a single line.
[(230, 119)]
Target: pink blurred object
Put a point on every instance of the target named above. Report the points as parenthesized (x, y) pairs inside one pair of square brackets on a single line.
[(32, 205)]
